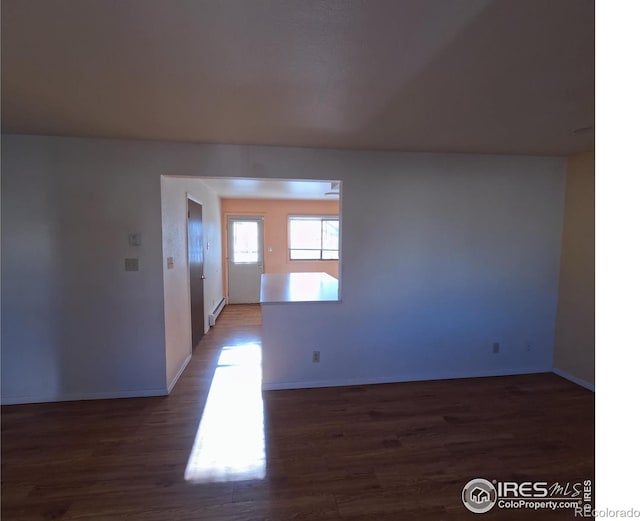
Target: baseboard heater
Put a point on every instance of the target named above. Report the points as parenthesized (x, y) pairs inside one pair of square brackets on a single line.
[(214, 314)]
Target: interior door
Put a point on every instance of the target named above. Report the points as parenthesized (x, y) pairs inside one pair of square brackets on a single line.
[(196, 271), (245, 259)]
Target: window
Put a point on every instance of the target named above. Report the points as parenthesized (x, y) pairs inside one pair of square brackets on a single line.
[(245, 242), (314, 238)]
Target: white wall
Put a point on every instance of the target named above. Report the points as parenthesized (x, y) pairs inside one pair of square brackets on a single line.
[(177, 312), (453, 254), (74, 323), (442, 255)]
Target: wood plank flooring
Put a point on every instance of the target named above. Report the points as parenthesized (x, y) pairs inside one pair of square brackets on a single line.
[(381, 452), (241, 315)]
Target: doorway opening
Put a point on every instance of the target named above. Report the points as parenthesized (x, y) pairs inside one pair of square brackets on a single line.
[(219, 235), (277, 227)]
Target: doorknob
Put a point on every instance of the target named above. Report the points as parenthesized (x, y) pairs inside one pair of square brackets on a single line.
[(203, 277)]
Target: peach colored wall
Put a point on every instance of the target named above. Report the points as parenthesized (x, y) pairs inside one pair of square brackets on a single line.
[(575, 324), (276, 213)]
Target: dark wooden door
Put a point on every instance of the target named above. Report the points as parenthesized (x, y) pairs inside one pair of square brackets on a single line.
[(196, 271)]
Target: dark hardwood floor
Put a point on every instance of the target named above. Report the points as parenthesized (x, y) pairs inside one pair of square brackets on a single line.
[(377, 452)]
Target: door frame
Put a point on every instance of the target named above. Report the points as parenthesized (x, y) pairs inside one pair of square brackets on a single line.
[(190, 197), (225, 246)]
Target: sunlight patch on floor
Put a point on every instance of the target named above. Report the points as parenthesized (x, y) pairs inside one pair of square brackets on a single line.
[(230, 442)]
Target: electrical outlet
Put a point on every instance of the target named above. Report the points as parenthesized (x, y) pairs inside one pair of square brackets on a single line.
[(496, 348), (316, 357), (527, 346)]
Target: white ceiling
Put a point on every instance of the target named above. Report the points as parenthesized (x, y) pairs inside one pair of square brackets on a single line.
[(488, 76), (270, 188)]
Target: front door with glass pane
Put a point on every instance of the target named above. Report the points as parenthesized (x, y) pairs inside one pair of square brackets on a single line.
[(244, 260)]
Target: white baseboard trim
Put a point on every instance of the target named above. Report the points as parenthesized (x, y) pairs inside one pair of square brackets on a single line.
[(173, 382), (138, 393), (574, 379), (398, 379)]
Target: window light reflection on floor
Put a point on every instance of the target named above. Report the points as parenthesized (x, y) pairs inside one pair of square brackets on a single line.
[(230, 443)]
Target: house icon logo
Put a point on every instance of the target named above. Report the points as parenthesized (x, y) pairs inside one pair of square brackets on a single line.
[(479, 496)]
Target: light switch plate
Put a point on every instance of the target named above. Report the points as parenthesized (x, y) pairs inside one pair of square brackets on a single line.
[(131, 264)]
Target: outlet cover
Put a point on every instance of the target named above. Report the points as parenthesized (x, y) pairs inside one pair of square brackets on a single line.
[(316, 357), (496, 348)]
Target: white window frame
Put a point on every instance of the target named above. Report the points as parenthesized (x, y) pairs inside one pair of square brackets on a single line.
[(321, 249)]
